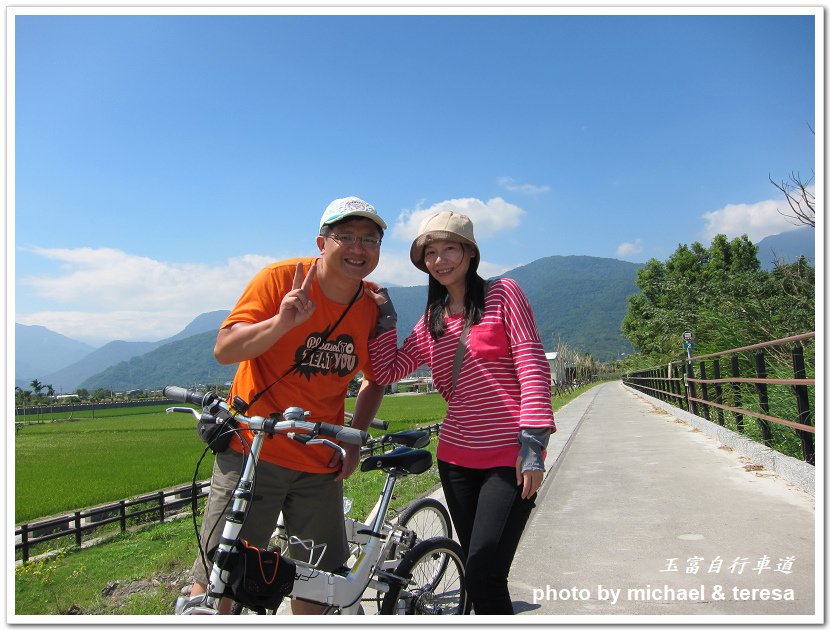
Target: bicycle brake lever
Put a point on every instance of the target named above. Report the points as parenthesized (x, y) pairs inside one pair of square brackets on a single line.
[(302, 438), (330, 444), (311, 438), (184, 410)]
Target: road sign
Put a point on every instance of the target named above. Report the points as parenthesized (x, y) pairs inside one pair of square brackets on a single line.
[(688, 345), (687, 336)]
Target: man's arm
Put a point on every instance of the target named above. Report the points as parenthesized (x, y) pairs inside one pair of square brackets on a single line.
[(366, 406), (242, 341)]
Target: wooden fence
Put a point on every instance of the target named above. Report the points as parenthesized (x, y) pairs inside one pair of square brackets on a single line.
[(701, 386)]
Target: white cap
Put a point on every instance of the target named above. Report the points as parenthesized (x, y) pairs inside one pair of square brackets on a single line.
[(340, 209)]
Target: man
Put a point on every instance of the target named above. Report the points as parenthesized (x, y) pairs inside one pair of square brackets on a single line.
[(299, 333)]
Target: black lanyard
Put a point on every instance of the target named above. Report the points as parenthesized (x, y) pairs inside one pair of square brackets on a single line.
[(305, 356), (339, 319)]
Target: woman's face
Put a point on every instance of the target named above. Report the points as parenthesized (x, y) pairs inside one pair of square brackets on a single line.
[(447, 261)]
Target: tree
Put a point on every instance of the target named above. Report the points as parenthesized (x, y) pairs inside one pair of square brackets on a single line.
[(22, 396), (37, 387), (800, 197), (721, 295), (101, 394)]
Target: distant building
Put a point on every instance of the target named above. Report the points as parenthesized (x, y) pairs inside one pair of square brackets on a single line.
[(560, 372), (554, 366)]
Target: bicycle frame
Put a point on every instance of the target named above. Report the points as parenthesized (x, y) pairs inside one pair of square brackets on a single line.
[(357, 531), (311, 583), (332, 589), (372, 540)]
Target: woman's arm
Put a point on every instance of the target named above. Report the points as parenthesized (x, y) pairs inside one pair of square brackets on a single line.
[(531, 366), (390, 363)]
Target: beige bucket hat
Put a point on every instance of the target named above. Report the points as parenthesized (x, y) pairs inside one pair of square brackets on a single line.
[(441, 226)]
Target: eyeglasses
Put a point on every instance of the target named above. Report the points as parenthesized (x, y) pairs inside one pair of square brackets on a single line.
[(369, 242)]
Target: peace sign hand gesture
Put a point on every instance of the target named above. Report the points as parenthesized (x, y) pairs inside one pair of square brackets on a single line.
[(296, 307)]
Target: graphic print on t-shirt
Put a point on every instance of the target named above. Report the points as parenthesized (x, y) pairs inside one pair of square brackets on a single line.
[(320, 355)]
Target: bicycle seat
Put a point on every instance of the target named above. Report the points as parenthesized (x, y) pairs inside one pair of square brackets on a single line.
[(410, 437), (402, 458)]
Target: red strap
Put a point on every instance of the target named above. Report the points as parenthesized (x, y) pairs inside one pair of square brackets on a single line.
[(261, 568)]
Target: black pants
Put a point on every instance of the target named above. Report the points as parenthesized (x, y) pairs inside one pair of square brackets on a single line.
[(489, 516)]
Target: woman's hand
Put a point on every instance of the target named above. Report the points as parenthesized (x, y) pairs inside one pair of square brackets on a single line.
[(530, 480), (387, 317)]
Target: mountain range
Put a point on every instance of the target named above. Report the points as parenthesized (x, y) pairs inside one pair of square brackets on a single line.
[(787, 247), (580, 300), (85, 360)]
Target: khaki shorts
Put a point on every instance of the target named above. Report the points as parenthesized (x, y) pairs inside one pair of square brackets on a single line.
[(312, 506)]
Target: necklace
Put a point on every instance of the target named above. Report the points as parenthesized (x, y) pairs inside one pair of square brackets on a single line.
[(452, 310)]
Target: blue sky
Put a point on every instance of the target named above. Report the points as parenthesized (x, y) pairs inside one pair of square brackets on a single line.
[(160, 161)]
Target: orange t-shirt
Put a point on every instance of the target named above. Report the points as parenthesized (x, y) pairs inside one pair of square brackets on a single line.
[(320, 382)]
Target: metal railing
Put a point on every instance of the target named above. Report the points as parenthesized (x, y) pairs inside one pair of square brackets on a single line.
[(705, 387), (150, 508)]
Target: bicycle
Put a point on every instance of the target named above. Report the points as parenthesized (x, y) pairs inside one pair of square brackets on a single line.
[(428, 579), (422, 519)]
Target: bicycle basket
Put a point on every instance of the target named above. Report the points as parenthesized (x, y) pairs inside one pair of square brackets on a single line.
[(259, 578), (217, 436)]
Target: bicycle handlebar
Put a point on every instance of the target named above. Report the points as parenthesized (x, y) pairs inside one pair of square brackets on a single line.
[(293, 415), (344, 434), (188, 396), (376, 423)]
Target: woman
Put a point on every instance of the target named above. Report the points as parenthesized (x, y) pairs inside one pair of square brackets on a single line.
[(487, 361)]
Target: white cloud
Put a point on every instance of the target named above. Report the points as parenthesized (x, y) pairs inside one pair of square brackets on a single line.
[(510, 184), (757, 220), (111, 294), (488, 217), (396, 268), (101, 327), (629, 249)]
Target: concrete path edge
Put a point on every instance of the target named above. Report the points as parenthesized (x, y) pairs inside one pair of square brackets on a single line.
[(793, 470)]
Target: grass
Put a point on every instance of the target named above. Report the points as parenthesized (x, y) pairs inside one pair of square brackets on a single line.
[(48, 414), (154, 562), (61, 467), (65, 466), (75, 581), (781, 399)]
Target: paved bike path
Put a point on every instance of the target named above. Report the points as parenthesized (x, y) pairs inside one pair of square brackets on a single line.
[(631, 492), (635, 499)]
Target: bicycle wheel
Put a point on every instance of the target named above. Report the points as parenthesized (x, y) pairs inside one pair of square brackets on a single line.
[(432, 581), (428, 518)]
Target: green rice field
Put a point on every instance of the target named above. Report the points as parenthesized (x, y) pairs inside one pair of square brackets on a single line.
[(66, 466)]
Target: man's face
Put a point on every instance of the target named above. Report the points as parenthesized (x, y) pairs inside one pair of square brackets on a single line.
[(352, 248)]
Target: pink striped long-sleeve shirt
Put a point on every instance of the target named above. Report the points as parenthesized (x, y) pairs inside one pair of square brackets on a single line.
[(503, 385)]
